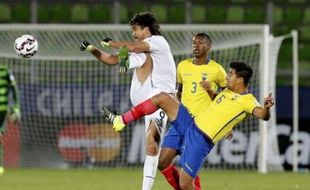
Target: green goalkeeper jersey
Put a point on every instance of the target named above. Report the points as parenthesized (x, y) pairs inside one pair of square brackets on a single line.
[(7, 83)]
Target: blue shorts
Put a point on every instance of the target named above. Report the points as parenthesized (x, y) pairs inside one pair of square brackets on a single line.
[(173, 139), (196, 144)]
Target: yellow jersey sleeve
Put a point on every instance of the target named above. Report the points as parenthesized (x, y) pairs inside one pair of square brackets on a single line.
[(250, 103)]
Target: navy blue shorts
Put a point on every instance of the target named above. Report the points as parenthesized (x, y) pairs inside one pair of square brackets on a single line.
[(196, 144)]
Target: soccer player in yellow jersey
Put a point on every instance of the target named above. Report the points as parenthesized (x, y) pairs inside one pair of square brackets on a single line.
[(194, 76), (192, 72), (229, 108)]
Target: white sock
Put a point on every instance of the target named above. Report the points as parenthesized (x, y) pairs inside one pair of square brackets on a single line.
[(149, 171)]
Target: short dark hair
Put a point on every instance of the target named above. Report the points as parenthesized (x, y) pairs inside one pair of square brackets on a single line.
[(242, 70), (146, 19), (204, 36)]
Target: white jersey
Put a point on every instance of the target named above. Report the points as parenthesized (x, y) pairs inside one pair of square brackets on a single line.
[(139, 92), (161, 79), (163, 76)]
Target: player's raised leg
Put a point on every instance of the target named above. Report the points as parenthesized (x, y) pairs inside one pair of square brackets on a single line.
[(162, 100)]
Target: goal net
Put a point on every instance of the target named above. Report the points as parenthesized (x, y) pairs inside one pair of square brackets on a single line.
[(62, 90)]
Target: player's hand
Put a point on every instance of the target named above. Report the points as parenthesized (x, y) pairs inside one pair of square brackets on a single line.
[(123, 59), (85, 46), (206, 85), (105, 42), (268, 101)]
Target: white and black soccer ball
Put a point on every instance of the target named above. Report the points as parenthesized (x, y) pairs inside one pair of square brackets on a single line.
[(26, 46)]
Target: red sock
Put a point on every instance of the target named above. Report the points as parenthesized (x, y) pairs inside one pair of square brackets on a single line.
[(197, 183), (172, 175), (145, 108)]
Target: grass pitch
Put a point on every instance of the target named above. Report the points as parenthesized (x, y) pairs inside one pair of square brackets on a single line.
[(130, 179)]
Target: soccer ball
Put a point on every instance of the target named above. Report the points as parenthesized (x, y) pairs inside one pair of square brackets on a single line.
[(26, 46)]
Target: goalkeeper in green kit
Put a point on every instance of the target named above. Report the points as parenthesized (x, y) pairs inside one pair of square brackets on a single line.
[(7, 85)]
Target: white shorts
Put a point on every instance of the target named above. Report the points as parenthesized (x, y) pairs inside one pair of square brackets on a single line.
[(141, 92), (160, 119)]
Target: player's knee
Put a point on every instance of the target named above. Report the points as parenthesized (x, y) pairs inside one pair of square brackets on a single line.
[(152, 149), (162, 97)]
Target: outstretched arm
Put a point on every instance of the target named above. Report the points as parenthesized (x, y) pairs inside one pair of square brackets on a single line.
[(208, 88), (137, 47), (102, 56), (264, 113)]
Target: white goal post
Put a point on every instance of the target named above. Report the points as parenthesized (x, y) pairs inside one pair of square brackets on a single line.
[(62, 90)]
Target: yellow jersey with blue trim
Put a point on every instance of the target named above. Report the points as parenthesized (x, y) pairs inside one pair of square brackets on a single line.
[(224, 112), (194, 97)]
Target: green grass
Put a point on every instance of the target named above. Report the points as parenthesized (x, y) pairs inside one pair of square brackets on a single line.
[(130, 179)]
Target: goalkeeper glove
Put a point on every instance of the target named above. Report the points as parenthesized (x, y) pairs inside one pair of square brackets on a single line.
[(105, 42), (123, 59), (85, 46)]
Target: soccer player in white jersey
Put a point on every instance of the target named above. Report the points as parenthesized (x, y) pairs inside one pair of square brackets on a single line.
[(162, 78)]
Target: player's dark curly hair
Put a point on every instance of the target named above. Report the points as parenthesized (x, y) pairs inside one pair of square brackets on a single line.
[(205, 36), (242, 70), (146, 19)]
